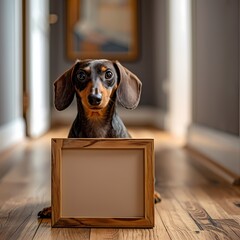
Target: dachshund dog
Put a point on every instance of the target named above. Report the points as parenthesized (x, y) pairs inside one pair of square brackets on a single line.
[(97, 85)]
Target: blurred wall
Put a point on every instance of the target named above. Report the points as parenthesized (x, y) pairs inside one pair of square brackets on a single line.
[(37, 81), (216, 80), (216, 43), (12, 126), (180, 67)]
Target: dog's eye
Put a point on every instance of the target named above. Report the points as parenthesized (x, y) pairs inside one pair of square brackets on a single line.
[(108, 74), (81, 76)]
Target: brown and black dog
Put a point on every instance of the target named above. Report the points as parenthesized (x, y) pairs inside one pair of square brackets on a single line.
[(98, 85)]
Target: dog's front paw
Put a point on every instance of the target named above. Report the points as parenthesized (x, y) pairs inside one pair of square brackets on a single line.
[(45, 213), (157, 197)]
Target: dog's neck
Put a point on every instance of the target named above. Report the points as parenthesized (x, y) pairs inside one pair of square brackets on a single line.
[(96, 124)]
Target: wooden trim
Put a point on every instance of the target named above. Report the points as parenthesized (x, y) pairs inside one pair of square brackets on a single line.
[(56, 200), (145, 145)]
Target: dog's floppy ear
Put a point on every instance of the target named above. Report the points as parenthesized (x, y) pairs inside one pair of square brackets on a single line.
[(64, 89), (129, 88)]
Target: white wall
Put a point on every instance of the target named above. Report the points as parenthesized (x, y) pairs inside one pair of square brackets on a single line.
[(37, 66), (12, 126), (180, 67), (214, 131)]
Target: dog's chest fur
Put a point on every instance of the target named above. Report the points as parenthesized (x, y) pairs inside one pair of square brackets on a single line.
[(97, 128), (110, 127), (95, 124)]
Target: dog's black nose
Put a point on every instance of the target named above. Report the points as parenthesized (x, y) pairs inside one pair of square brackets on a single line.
[(95, 99)]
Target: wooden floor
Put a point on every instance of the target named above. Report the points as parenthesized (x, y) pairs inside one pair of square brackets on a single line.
[(196, 203)]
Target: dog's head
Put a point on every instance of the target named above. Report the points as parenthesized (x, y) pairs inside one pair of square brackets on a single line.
[(96, 82)]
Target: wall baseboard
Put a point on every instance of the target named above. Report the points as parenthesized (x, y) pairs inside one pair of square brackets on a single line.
[(11, 133), (142, 115), (221, 148)]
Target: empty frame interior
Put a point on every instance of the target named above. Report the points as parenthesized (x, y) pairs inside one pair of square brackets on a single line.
[(102, 183)]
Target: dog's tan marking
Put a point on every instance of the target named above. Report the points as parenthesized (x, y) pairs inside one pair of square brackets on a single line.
[(106, 95), (87, 70), (103, 68), (98, 112)]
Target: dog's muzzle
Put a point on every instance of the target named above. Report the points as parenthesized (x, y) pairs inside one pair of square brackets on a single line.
[(95, 97)]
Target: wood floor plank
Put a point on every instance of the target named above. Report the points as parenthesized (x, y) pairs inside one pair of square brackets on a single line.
[(176, 220), (223, 227), (46, 232), (173, 168), (160, 229), (206, 197), (140, 234), (18, 215), (24, 191), (105, 234), (158, 232), (227, 197), (9, 158)]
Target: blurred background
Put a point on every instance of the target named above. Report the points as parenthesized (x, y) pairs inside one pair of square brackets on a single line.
[(186, 53)]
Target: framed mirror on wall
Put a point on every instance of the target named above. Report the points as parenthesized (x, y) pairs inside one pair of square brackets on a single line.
[(102, 29)]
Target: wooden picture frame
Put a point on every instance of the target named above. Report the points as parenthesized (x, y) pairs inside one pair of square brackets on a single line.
[(103, 183), (99, 29)]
